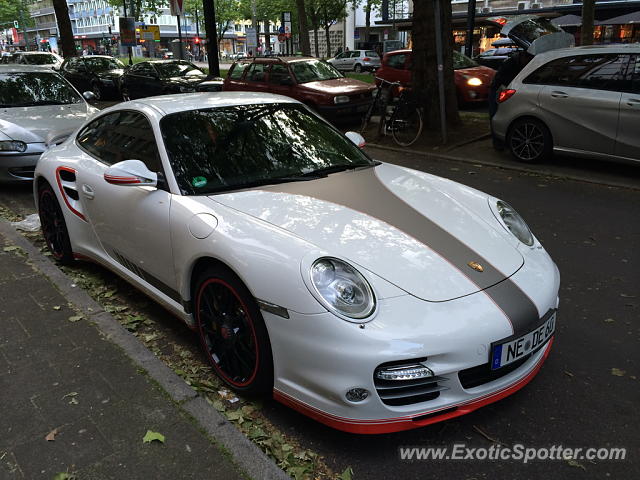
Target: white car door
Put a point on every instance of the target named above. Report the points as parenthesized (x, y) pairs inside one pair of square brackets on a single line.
[(131, 223), (628, 140), (581, 99)]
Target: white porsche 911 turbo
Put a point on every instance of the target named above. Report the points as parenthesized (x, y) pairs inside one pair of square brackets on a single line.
[(370, 297)]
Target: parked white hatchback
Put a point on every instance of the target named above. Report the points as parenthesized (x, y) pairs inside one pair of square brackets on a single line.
[(583, 101)]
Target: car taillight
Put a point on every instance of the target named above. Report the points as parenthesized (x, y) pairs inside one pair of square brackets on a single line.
[(366, 59), (506, 95)]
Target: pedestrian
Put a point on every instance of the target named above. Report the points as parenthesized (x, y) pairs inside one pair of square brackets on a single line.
[(509, 70)]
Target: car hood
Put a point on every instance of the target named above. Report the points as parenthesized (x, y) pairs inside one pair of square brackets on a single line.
[(338, 86), (485, 74), (393, 222), (111, 74), (47, 123), (187, 79)]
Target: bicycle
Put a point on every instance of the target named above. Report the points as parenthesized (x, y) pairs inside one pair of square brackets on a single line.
[(403, 121)]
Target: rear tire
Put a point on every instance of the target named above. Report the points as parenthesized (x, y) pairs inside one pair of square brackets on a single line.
[(54, 227), (406, 125), (232, 332), (529, 140), (357, 68), (125, 94), (97, 91)]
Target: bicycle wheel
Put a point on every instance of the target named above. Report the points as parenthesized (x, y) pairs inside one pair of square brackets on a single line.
[(405, 124)]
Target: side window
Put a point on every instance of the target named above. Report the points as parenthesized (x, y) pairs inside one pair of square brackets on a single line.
[(144, 69), (602, 72), (341, 55), (396, 61), (238, 70), (256, 72), (278, 72), (635, 75), (121, 136)]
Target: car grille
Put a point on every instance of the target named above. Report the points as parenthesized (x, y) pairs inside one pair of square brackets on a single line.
[(481, 374), (407, 392)]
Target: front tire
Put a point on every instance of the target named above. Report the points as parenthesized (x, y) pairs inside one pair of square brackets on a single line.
[(97, 91), (126, 96), (232, 332), (54, 227), (529, 140)]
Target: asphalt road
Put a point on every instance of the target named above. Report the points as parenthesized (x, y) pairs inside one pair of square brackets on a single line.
[(592, 231)]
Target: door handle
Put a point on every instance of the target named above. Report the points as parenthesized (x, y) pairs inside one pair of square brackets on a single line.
[(633, 102), (557, 94), (88, 192)]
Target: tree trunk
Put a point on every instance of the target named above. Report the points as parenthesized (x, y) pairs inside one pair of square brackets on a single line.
[(425, 66), (64, 28), (586, 32), (316, 40), (303, 28), (267, 39)]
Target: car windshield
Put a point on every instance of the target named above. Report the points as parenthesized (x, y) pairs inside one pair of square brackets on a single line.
[(313, 71), (32, 89), (237, 147), (178, 69), (101, 64), (40, 59), (462, 61)]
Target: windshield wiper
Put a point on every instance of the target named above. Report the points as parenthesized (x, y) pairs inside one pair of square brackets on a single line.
[(40, 102), (337, 168), (265, 181)]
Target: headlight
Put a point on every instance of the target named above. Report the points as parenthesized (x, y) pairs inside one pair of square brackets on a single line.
[(514, 222), (474, 82), (341, 99), (342, 288), (13, 146)]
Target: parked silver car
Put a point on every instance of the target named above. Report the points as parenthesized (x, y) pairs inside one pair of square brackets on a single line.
[(38, 109), (583, 101), (356, 60)]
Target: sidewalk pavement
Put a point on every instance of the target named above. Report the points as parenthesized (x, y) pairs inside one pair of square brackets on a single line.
[(78, 396)]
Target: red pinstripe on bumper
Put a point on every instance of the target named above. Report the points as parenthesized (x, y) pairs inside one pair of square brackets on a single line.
[(389, 425)]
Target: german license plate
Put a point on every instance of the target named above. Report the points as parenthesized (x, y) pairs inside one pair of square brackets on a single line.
[(513, 350)]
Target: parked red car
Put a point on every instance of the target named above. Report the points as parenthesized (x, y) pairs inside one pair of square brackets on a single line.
[(472, 80), (308, 80)]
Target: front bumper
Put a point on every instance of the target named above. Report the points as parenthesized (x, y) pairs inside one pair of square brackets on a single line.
[(319, 358), (340, 111), (19, 167)]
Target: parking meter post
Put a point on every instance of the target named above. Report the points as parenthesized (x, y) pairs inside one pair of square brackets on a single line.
[(440, 62), (124, 5)]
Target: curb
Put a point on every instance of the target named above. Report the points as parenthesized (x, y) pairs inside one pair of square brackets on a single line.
[(244, 454), (515, 167)]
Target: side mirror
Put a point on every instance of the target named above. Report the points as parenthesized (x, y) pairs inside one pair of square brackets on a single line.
[(356, 138), (131, 173), (286, 81), (89, 95)]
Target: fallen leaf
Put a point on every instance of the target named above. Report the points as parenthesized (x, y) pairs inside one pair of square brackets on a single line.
[(568, 374), (10, 248), (617, 372), (609, 320), (75, 318), (70, 394), (51, 436), (347, 474), (151, 436), (573, 463), (64, 476), (57, 307)]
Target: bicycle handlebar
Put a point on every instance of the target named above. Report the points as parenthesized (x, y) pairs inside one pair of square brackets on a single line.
[(382, 80)]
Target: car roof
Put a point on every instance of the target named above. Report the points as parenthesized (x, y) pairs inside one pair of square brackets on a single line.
[(590, 49), (281, 59), (18, 68), (34, 53), (167, 104)]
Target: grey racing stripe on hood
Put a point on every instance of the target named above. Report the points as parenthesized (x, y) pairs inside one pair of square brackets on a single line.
[(364, 192)]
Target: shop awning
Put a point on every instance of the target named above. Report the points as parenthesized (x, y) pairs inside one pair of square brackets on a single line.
[(633, 17), (567, 21)]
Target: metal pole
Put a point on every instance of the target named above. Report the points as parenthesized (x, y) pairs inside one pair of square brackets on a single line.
[(124, 4), (439, 59), (198, 34), (471, 22), (180, 55)]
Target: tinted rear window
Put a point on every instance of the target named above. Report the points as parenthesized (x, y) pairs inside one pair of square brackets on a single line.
[(600, 72), (370, 53)]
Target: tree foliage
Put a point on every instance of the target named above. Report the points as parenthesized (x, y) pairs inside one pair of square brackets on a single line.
[(139, 8), (15, 10)]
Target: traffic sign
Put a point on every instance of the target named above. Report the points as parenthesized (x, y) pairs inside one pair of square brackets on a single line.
[(177, 7), (282, 37)]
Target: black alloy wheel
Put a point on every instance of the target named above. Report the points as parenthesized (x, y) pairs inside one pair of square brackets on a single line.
[(54, 227), (125, 94), (97, 91), (529, 140), (232, 332)]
